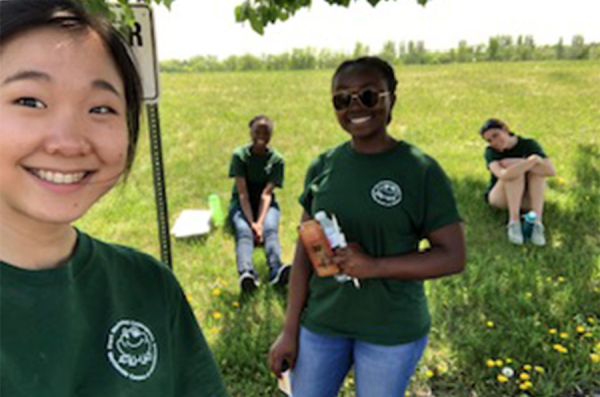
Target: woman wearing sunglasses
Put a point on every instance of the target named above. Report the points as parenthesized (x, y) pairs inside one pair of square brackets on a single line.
[(387, 196), (518, 170)]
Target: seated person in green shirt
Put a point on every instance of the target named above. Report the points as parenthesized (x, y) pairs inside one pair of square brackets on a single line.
[(80, 317), (258, 169), (387, 196), (518, 171)]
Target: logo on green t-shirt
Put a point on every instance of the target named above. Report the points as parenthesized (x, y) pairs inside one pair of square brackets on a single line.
[(386, 193), (132, 350)]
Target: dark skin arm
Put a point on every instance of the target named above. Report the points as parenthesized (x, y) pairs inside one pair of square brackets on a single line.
[(285, 348), (446, 256), (265, 202)]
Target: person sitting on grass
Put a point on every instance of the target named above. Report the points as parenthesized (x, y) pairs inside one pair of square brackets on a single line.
[(80, 317), (258, 169), (518, 171)]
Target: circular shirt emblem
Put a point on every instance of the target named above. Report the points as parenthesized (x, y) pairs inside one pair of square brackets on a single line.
[(132, 350), (386, 193)]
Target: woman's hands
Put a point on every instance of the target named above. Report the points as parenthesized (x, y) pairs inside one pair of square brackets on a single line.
[(257, 229), (283, 353), (354, 262)]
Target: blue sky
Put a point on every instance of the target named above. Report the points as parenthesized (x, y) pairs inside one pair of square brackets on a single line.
[(208, 27)]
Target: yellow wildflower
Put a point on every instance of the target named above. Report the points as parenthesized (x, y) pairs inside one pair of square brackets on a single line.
[(525, 385), (588, 335), (501, 378), (490, 324), (217, 315), (407, 394), (528, 294), (560, 279), (591, 320), (527, 367), (552, 330), (499, 363), (508, 360), (580, 329), (490, 363), (442, 368), (524, 376), (563, 335), (235, 304), (216, 291), (429, 373), (213, 330), (540, 369), (595, 358), (560, 348)]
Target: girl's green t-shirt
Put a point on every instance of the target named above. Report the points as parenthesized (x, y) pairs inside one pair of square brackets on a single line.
[(387, 203)]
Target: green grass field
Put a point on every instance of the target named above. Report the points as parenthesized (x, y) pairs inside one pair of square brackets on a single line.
[(513, 306)]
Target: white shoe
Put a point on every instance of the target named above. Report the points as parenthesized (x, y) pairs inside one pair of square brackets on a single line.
[(515, 233), (537, 235)]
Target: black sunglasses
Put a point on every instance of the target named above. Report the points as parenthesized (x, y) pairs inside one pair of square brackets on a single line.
[(368, 98)]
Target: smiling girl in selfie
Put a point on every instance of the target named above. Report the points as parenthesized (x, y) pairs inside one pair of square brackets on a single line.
[(387, 196), (79, 316)]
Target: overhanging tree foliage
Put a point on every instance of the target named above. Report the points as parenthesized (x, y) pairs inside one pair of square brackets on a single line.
[(259, 13)]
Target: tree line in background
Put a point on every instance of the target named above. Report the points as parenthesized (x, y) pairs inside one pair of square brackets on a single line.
[(498, 49)]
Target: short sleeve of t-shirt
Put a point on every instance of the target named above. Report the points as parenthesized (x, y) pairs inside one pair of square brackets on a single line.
[(441, 209), (236, 168), (277, 173), (196, 368)]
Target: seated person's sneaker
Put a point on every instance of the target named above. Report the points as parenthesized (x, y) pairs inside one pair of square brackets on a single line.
[(515, 233), (248, 282), (537, 234), (279, 275)]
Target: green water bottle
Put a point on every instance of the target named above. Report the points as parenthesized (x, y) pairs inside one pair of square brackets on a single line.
[(218, 216)]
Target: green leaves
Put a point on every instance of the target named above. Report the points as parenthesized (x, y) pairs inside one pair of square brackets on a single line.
[(260, 13)]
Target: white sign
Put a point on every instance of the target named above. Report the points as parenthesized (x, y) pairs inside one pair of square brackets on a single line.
[(143, 44)]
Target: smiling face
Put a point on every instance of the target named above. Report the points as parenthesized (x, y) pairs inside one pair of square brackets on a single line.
[(63, 125), (360, 121), (260, 132), (499, 139)]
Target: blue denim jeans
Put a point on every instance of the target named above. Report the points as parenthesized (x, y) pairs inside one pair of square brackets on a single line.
[(244, 239), (379, 371)]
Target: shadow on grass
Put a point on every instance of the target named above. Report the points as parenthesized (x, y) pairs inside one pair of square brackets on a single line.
[(523, 290), (244, 340)]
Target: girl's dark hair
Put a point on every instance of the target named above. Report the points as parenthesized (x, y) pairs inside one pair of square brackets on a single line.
[(19, 16), (494, 124), (386, 70), (261, 117)]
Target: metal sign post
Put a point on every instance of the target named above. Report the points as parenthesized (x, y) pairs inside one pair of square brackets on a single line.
[(142, 42)]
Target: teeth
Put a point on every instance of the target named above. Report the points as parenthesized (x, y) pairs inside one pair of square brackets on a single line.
[(59, 177), (360, 120)]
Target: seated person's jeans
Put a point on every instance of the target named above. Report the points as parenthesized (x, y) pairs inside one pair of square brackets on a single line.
[(244, 239)]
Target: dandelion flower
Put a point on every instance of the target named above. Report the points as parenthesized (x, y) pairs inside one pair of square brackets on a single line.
[(591, 320), (213, 330), (429, 374), (580, 329), (552, 330), (560, 348), (490, 324), (407, 394), (502, 379), (539, 369), (595, 358), (563, 335), (508, 372), (528, 294), (216, 292), (588, 335), (235, 304), (524, 376), (499, 363), (560, 279), (217, 315), (490, 363), (525, 385), (442, 368), (527, 367)]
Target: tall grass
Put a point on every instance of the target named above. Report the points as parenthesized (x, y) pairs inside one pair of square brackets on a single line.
[(513, 306)]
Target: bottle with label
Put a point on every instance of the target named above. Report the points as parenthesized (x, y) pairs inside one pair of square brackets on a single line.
[(529, 220), (218, 216)]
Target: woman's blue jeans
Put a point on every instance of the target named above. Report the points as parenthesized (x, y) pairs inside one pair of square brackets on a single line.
[(379, 371), (244, 239)]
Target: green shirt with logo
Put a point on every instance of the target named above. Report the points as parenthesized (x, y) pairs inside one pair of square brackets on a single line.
[(524, 148), (258, 170), (110, 322), (387, 203)]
